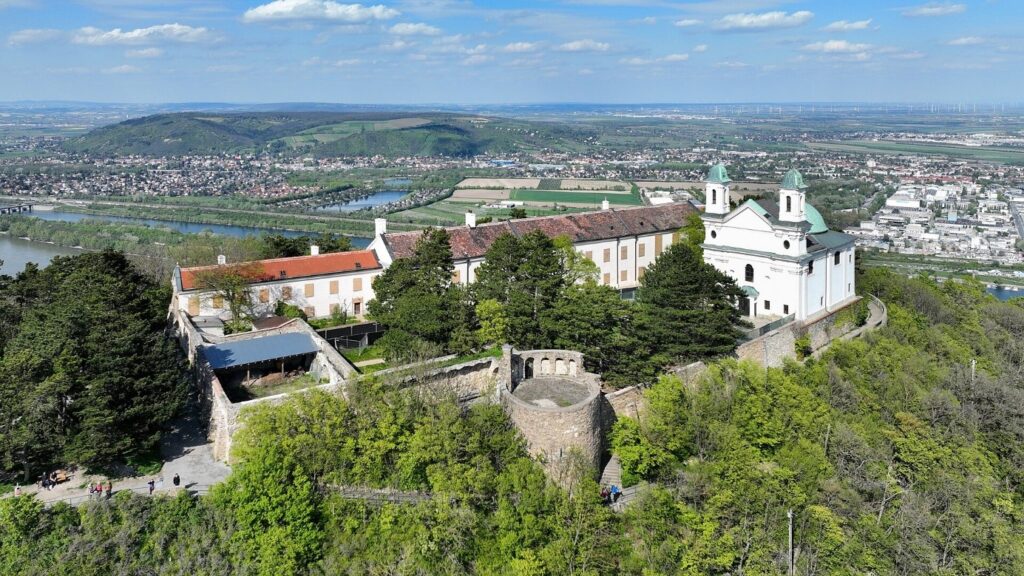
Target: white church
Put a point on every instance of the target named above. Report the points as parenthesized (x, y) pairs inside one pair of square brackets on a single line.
[(781, 254)]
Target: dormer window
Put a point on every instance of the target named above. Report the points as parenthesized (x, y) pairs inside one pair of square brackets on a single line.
[(283, 274)]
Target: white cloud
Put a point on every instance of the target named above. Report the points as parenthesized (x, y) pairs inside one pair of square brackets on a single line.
[(476, 59), (397, 45), (647, 20), (934, 9), (836, 47), (584, 46), (160, 33), (33, 35), (847, 25), (731, 64), (228, 68), (145, 53), (966, 41), (418, 29), (913, 55), (317, 10), (636, 61), (343, 63), (700, 48), (688, 22), (520, 47), (123, 69), (763, 21)]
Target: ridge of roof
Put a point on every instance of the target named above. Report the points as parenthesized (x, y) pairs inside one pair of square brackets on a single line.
[(295, 266)]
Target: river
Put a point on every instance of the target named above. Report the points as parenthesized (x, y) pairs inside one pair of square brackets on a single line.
[(1005, 293), (16, 252), (375, 199)]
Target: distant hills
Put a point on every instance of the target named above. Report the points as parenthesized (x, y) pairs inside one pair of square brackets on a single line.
[(328, 134)]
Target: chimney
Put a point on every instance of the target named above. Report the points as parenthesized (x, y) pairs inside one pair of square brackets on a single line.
[(380, 226), (222, 259), (470, 219), (314, 250), (605, 205)]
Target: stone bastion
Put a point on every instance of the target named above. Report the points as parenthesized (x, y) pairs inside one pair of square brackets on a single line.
[(556, 405)]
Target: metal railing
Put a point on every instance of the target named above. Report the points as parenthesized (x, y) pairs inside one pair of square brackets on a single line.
[(773, 325)]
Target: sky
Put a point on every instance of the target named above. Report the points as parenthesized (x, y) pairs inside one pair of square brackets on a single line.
[(504, 52)]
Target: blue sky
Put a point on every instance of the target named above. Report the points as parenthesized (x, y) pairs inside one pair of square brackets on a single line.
[(467, 51)]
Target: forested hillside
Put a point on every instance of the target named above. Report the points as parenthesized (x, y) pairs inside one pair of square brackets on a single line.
[(894, 456), (325, 134)]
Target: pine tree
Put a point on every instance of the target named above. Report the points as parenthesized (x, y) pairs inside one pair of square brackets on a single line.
[(687, 308)]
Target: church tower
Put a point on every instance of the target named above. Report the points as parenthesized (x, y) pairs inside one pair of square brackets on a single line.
[(716, 191), (792, 198)]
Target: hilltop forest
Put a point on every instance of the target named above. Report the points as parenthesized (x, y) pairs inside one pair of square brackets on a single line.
[(325, 134), (902, 453)]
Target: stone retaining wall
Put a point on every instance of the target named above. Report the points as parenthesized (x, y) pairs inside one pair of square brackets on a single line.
[(772, 349)]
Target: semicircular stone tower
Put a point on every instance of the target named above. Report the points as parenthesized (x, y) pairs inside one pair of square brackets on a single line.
[(557, 406)]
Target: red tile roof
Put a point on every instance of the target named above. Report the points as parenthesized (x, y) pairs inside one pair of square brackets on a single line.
[(580, 227), (298, 266)]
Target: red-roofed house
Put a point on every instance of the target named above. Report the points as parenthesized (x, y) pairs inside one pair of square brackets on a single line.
[(318, 283)]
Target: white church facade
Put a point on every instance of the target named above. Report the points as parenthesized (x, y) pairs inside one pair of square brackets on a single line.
[(781, 254)]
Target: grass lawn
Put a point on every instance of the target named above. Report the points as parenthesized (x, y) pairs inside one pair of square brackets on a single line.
[(992, 154)]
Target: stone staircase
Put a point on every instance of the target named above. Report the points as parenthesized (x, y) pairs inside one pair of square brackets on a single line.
[(612, 473)]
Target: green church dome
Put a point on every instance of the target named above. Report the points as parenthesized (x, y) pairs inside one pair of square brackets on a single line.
[(815, 219), (793, 180), (718, 175)]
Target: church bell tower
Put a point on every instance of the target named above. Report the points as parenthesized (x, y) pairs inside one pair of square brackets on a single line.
[(792, 198), (716, 191)]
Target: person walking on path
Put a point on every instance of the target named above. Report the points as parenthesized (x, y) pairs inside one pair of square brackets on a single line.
[(17, 489), (177, 480), (110, 488), (615, 493), (152, 486)]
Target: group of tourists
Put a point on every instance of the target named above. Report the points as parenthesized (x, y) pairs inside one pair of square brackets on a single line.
[(99, 489), (610, 495), (51, 479)]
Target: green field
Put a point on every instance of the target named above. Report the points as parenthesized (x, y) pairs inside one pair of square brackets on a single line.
[(451, 213), (571, 197), (991, 154)]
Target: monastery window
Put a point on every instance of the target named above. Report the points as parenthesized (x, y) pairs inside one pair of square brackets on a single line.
[(357, 307), (623, 275), (334, 287), (640, 272), (748, 273), (218, 302), (457, 276), (308, 290), (264, 295), (767, 305), (607, 279), (193, 305), (607, 255), (789, 203), (357, 284), (641, 250), (335, 308), (836, 259), (589, 254), (310, 311), (286, 292), (785, 309), (623, 253)]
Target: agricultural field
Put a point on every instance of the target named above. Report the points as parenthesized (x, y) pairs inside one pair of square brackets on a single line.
[(452, 212), (546, 192), (987, 153)]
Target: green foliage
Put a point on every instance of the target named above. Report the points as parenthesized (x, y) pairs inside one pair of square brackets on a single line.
[(87, 375), (687, 308), (693, 231), (493, 322), (287, 310), (802, 347)]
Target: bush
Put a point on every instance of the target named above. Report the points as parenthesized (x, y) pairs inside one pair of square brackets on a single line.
[(802, 346), (639, 457), (289, 310), (401, 347)]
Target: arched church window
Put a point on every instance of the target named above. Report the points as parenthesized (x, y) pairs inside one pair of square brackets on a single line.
[(714, 196), (837, 258), (789, 203), (749, 273)]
